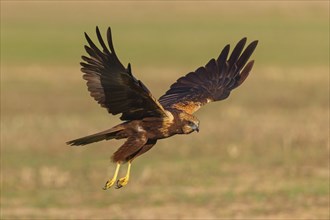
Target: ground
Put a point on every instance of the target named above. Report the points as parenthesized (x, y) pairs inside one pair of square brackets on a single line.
[(263, 153)]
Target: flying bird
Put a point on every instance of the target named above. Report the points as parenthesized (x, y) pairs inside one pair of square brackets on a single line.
[(146, 119)]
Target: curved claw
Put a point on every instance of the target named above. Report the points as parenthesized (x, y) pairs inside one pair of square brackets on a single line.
[(122, 182), (108, 184), (118, 185)]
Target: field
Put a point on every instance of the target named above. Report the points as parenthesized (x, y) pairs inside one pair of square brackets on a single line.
[(261, 154)]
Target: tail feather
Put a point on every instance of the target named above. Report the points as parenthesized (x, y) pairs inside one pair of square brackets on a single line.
[(104, 135)]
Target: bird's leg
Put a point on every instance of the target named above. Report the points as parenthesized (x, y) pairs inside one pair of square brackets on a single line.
[(110, 182), (123, 181)]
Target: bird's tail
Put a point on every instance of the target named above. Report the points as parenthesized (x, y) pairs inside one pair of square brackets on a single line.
[(104, 135)]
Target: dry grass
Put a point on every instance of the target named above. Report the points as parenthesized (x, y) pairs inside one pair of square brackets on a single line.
[(261, 154), (263, 157)]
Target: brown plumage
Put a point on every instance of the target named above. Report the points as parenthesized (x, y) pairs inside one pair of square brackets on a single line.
[(147, 119)]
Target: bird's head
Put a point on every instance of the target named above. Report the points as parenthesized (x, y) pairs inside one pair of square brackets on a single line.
[(190, 124)]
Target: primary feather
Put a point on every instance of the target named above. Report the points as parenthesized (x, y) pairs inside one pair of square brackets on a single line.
[(113, 86), (213, 82)]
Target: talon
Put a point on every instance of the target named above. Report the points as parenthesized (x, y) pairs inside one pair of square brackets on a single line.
[(118, 185), (123, 181), (110, 182)]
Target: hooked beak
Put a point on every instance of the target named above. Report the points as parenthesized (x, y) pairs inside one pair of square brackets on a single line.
[(195, 128)]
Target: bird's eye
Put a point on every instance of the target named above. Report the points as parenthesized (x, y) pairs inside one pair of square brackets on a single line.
[(190, 123)]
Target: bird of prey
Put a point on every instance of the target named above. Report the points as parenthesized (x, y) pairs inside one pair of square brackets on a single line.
[(146, 119)]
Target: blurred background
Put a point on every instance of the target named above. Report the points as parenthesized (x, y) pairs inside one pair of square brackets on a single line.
[(262, 153)]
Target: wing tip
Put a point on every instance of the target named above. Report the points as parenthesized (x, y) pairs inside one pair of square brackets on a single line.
[(242, 42), (254, 44), (245, 72), (98, 33), (129, 68), (244, 39), (86, 36), (109, 38)]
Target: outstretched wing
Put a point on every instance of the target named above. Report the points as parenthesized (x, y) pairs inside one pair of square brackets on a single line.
[(212, 82), (113, 86)]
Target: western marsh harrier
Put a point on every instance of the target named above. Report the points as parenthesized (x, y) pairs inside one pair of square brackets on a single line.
[(147, 119)]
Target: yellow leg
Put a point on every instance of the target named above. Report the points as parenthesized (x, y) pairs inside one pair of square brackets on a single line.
[(123, 181), (110, 182)]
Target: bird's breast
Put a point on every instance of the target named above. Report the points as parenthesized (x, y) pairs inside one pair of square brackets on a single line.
[(158, 129)]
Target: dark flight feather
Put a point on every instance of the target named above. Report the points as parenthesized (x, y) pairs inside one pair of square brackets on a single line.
[(104, 135), (113, 86), (213, 82)]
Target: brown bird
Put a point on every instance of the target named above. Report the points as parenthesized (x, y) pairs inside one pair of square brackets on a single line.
[(147, 119)]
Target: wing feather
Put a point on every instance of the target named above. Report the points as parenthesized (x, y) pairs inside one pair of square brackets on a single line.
[(113, 86), (213, 82)]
